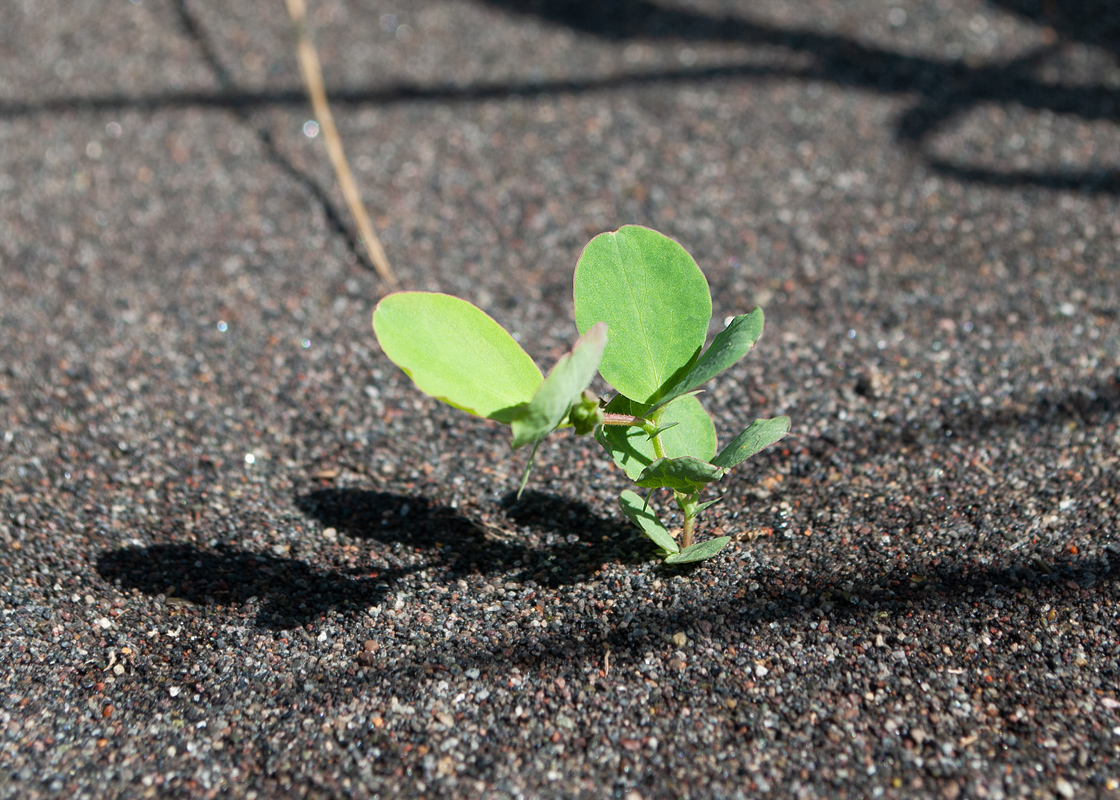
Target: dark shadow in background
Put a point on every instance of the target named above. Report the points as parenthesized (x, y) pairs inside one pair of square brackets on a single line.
[(335, 221), (1093, 405), (1094, 22), (945, 89)]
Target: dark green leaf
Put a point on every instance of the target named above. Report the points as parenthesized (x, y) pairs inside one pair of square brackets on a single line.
[(708, 504), (634, 507), (732, 343), (699, 552), (761, 434), (685, 474), (662, 429)]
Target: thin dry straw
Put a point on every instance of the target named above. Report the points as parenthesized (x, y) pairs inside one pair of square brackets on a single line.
[(313, 77)]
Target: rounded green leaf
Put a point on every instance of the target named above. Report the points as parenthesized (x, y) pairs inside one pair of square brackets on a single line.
[(655, 299), (685, 474), (455, 352), (693, 434)]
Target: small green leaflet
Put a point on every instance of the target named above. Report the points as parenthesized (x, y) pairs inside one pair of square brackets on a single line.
[(698, 552), (562, 389), (759, 435), (730, 345), (634, 507), (708, 504), (685, 474), (454, 352)]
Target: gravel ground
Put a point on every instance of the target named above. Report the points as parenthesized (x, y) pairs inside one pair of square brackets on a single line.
[(243, 557)]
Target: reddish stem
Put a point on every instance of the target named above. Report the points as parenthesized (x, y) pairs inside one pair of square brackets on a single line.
[(622, 419)]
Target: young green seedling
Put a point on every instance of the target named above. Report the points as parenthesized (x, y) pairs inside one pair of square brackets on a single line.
[(647, 293), (657, 307)]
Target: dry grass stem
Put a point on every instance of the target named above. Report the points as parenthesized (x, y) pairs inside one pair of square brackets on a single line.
[(313, 78)]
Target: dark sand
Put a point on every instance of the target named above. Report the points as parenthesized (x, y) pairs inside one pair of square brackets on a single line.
[(215, 490)]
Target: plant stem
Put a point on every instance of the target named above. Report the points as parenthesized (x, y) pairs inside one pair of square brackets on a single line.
[(622, 419), (686, 533), (655, 439)]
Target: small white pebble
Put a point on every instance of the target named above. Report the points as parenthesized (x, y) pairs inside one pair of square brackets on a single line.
[(173, 691), (104, 623)]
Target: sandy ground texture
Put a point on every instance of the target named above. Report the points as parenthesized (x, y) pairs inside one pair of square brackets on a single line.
[(243, 557)]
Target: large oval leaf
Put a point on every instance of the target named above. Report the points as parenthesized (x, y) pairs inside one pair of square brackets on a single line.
[(454, 352), (692, 434), (656, 302)]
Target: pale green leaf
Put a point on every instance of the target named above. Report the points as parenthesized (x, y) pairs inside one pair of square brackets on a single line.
[(655, 299), (561, 390), (730, 345), (634, 507), (759, 435), (454, 352), (699, 552)]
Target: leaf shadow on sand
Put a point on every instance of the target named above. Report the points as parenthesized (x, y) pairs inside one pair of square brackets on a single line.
[(969, 598), (560, 541), (290, 591), (293, 592)]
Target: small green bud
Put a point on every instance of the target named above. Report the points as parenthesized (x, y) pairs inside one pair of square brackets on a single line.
[(585, 414)]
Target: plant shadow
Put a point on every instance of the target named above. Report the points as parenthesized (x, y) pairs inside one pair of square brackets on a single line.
[(560, 541), (861, 607), (290, 591)]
